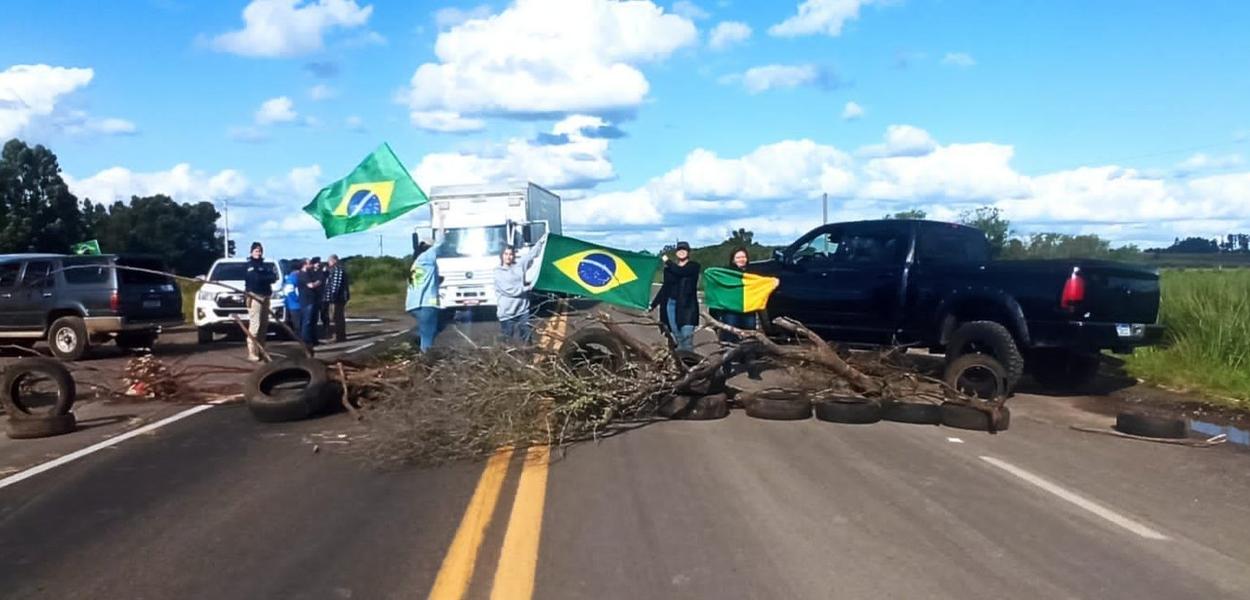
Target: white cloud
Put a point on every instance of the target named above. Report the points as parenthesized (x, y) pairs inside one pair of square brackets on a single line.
[(181, 182), (445, 121), (852, 112), (690, 10), (570, 157), (523, 61), (958, 59), (819, 16), (1205, 162), (354, 123), (79, 123), (115, 126), (30, 92), (728, 33), (901, 140), (283, 28), (768, 77), (322, 91), (276, 110), (452, 16)]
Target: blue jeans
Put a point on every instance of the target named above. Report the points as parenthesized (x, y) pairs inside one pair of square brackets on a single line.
[(517, 329), (735, 319), (308, 325), (683, 335), (427, 325)]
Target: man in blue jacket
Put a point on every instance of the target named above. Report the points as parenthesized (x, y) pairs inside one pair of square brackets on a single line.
[(422, 299)]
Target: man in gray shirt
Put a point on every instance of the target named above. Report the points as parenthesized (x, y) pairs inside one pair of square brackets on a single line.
[(513, 282)]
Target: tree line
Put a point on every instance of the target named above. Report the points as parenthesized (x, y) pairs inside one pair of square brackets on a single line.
[(38, 213)]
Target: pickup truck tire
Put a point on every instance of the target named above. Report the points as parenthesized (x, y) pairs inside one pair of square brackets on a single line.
[(993, 339), (778, 406), (694, 408), (67, 338), (287, 390), (41, 427), (854, 411), (1152, 427), (11, 387), (978, 375), (132, 340), (917, 413), (585, 348), (1063, 370), (961, 416)]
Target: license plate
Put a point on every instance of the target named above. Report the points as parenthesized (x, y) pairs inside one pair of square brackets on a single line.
[(151, 304), (472, 302), (1124, 330)]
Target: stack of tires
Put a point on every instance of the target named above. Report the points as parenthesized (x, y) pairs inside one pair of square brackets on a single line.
[(27, 420), (290, 389)]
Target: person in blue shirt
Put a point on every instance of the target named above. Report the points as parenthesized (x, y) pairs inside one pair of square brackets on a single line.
[(422, 298), (290, 297)]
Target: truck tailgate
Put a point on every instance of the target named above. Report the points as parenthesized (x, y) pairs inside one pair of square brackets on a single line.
[(1120, 293), (146, 296)]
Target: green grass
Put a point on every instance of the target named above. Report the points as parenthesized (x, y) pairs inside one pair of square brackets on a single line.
[(1207, 347)]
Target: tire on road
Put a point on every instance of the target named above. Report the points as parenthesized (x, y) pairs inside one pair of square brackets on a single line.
[(1151, 426), (713, 384), (855, 411), (991, 338), (978, 375), (287, 390), (585, 348), (41, 427), (11, 384), (961, 416), (68, 339), (779, 406), (1063, 370), (134, 340), (694, 408), (912, 412)]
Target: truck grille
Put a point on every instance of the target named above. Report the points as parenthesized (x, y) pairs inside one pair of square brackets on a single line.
[(467, 276)]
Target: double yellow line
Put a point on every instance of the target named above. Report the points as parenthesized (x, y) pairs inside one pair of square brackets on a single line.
[(518, 559)]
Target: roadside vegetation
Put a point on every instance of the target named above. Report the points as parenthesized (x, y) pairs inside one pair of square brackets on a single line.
[(1207, 348)]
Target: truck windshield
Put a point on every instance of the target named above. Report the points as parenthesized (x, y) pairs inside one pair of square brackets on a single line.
[(234, 271), (473, 241)]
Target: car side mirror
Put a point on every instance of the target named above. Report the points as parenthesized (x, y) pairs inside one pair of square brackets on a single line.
[(202, 277), (779, 256)]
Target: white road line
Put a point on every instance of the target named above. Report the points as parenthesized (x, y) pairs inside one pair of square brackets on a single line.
[(1077, 499), (113, 441)]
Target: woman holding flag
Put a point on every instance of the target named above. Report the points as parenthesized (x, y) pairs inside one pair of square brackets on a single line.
[(734, 296)]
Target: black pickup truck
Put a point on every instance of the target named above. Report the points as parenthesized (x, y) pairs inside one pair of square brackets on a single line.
[(934, 285)]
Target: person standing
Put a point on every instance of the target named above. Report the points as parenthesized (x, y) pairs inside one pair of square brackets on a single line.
[(738, 261), (512, 288), (323, 305), (309, 283), (258, 282), (290, 298), (678, 298), (421, 300), (336, 296)]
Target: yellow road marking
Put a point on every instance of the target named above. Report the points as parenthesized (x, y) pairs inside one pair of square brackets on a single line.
[(457, 570), (518, 562)]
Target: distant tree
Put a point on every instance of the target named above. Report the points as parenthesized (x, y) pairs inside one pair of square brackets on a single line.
[(37, 211), (991, 221), (741, 237), (1194, 245), (184, 235), (914, 214)]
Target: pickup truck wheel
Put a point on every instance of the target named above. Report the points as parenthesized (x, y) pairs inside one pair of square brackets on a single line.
[(855, 411), (131, 340), (987, 337), (778, 406), (67, 338), (14, 388), (287, 390), (203, 335), (41, 427), (1063, 370)]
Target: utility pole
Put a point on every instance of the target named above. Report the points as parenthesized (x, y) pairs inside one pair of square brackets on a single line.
[(380, 251), (824, 205), (225, 248)]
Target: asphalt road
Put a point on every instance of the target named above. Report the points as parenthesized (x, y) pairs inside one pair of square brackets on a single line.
[(216, 505)]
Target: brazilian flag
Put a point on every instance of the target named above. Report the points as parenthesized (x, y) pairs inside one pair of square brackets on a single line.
[(378, 190), (87, 247), (572, 266), (732, 290)]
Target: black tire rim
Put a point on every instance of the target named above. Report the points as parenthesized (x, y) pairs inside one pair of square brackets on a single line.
[(979, 381)]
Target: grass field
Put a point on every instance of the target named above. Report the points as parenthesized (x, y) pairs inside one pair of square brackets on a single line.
[(1207, 349)]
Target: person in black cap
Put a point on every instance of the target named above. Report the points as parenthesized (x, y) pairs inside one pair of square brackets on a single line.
[(258, 283), (310, 283), (678, 298)]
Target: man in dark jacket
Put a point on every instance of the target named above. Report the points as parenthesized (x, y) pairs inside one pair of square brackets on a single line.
[(337, 293), (310, 284), (258, 283), (678, 298)]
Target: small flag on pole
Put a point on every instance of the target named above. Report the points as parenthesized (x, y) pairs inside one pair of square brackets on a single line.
[(378, 190), (729, 289), (87, 247)]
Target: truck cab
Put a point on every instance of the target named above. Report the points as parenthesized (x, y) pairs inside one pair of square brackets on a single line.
[(474, 223)]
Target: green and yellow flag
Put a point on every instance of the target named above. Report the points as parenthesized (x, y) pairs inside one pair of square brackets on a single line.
[(575, 267), (87, 247), (378, 190), (729, 289)]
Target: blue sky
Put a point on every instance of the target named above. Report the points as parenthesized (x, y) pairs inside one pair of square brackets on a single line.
[(1115, 118)]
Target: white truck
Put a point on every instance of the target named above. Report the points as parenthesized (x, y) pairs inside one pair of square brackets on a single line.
[(474, 223)]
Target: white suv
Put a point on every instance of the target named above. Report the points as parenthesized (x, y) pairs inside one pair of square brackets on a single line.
[(215, 306)]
